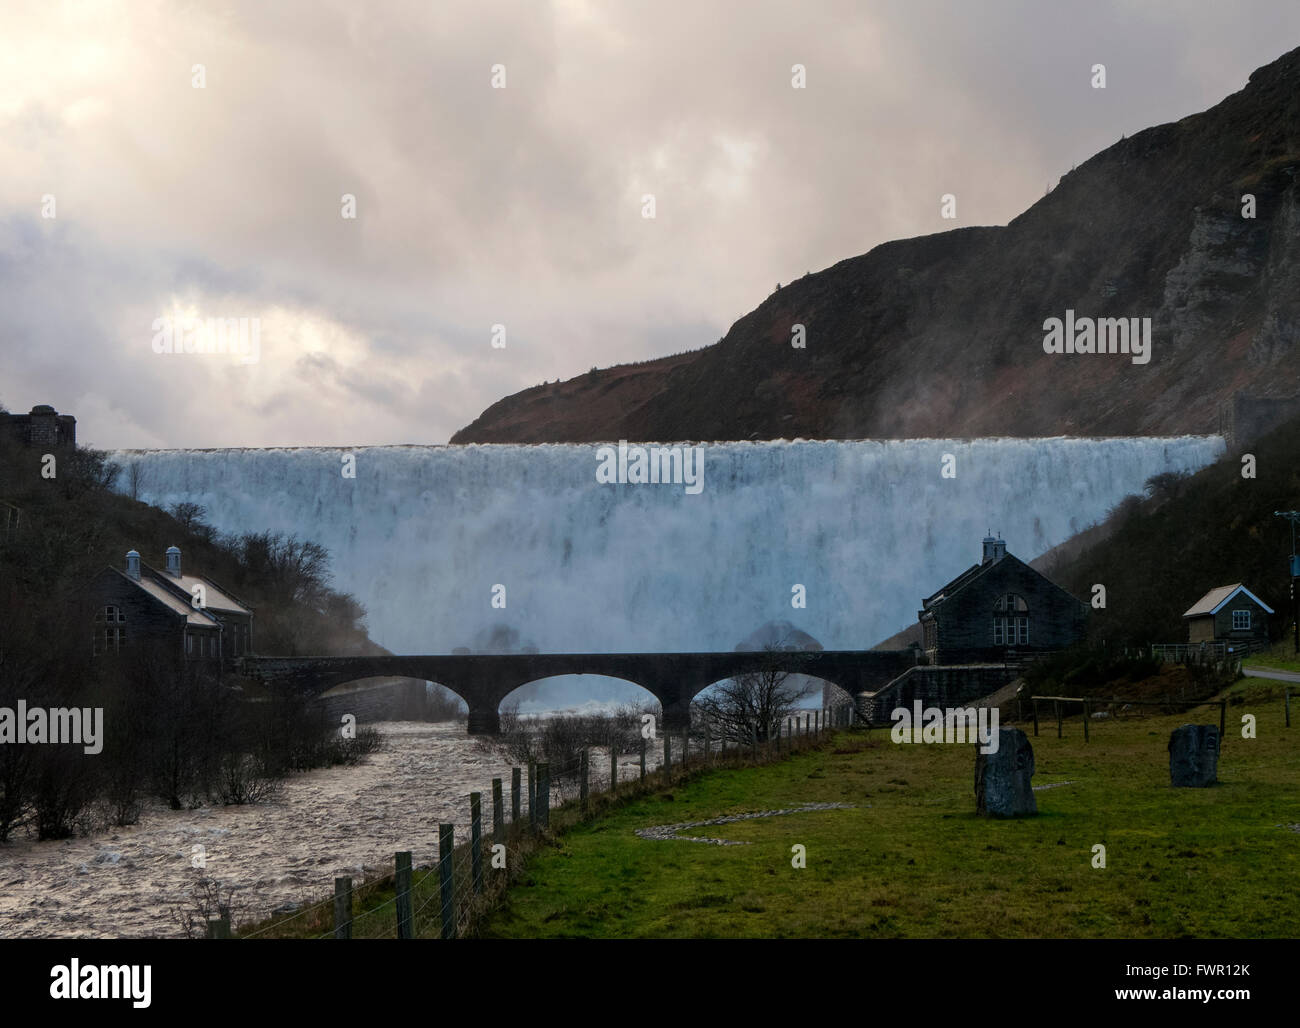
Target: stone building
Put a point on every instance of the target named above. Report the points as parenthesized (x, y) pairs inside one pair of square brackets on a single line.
[(998, 610), (1228, 613), (43, 427), (142, 606)]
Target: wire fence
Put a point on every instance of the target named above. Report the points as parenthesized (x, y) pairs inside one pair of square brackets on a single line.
[(445, 897)]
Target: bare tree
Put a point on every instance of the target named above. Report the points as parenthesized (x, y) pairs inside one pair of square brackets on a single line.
[(753, 704), (134, 479), (190, 515)]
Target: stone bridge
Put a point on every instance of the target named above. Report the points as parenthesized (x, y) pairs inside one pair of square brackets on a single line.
[(484, 680)]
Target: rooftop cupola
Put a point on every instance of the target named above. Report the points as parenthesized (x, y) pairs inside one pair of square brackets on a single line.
[(994, 549), (174, 561), (133, 565)]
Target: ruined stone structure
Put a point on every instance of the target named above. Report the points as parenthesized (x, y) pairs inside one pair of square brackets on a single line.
[(44, 427), (1245, 417)]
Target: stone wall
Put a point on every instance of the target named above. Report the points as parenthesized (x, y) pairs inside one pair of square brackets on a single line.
[(934, 686), (396, 699), (965, 619), (43, 427), (1245, 418)]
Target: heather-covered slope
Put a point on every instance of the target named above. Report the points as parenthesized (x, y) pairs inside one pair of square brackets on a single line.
[(942, 335)]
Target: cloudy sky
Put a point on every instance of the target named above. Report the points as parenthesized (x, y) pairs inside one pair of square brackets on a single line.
[(519, 206)]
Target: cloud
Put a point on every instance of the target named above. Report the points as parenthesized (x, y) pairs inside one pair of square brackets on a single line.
[(518, 206)]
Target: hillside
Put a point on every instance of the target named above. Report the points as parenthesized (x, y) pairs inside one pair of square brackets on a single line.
[(1159, 554), (56, 533), (942, 335)]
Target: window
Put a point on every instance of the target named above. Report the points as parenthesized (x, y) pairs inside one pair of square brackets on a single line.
[(1010, 621), (1241, 620), (189, 643), (110, 630)]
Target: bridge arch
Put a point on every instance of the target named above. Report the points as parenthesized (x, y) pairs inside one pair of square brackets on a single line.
[(646, 693), (484, 680)]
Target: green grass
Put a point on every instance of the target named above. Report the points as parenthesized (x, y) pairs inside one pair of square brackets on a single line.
[(912, 860), (1281, 657)]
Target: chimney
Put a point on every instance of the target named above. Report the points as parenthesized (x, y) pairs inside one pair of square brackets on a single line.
[(133, 565), (174, 561), (994, 549)]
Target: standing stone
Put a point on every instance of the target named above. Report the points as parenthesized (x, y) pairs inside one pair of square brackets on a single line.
[(1194, 756), (1002, 779)]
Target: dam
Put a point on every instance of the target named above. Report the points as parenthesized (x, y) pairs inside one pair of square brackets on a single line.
[(504, 548)]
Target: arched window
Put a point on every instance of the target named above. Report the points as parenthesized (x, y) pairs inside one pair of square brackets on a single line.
[(1010, 621), (110, 630)]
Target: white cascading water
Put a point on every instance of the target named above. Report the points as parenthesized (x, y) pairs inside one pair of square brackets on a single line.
[(422, 534)]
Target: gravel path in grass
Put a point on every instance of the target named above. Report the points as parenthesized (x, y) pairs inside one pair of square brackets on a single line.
[(663, 832)]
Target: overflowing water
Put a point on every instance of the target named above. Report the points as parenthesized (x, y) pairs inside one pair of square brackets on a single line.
[(422, 535), (501, 546)]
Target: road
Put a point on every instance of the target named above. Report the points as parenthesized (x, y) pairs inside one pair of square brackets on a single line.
[(1266, 672)]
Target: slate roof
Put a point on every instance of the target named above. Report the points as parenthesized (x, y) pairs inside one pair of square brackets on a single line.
[(169, 599), (216, 598), (1215, 600), (961, 581), (972, 573)]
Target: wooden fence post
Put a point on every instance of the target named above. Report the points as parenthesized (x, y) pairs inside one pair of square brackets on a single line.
[(668, 751), (476, 840), (1057, 705), (343, 908), (1287, 700), (1086, 709), (1223, 718), (544, 795), (643, 758), (219, 928), (498, 813), (582, 780), (686, 746), (402, 882), (1035, 700), (514, 795), (532, 795), (613, 768), (708, 747), (446, 879)]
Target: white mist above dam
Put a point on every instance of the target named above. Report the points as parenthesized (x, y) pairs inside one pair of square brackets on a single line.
[(423, 534)]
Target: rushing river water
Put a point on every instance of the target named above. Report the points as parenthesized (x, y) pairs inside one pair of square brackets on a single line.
[(335, 821)]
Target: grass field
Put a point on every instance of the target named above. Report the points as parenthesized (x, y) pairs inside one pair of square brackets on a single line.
[(912, 860), (1280, 657)]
